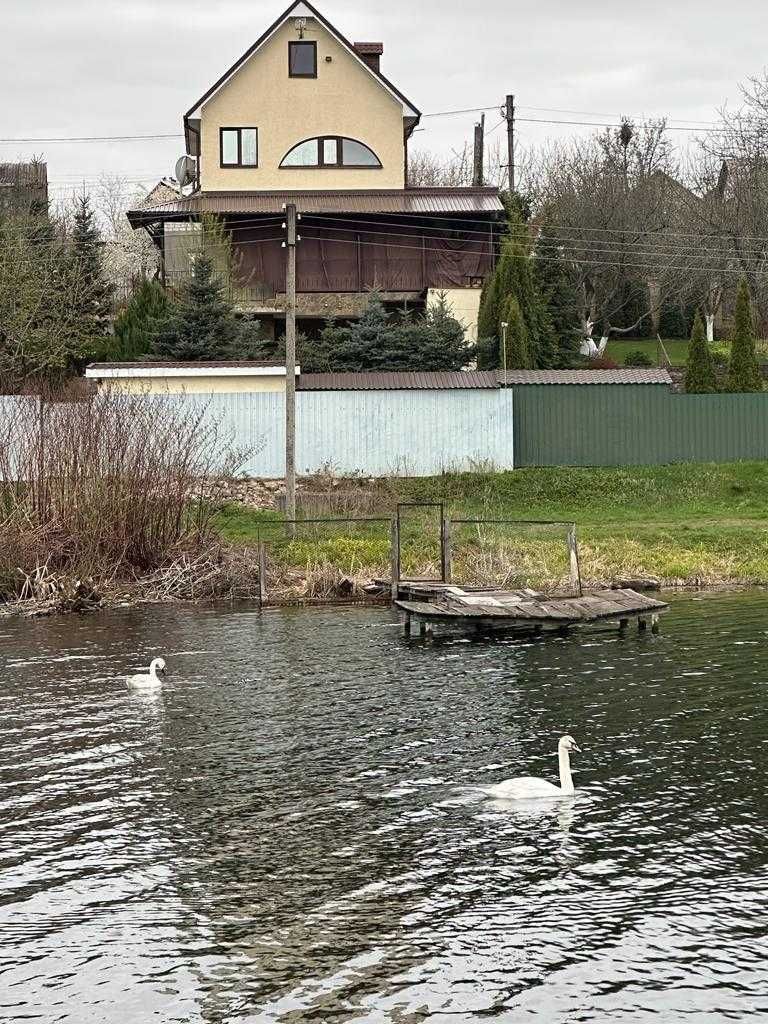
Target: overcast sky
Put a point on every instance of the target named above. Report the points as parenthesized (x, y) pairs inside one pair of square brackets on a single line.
[(113, 67)]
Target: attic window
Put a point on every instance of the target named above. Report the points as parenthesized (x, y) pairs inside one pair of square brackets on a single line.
[(302, 60), (331, 151)]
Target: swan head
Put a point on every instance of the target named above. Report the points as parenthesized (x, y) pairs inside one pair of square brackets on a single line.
[(158, 666), (568, 744)]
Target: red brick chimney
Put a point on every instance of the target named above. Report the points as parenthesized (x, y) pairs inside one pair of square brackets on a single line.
[(371, 54)]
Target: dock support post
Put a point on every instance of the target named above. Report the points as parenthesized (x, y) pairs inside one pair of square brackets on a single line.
[(642, 625), (407, 624), (623, 625), (573, 556), (262, 573), (655, 625), (394, 541), (446, 550)]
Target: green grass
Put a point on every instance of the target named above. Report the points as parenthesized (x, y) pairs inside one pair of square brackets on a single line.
[(691, 523), (677, 351)]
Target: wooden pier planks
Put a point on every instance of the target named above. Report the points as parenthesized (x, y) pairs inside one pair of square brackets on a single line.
[(439, 602)]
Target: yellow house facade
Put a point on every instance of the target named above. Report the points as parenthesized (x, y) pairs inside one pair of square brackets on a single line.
[(307, 117)]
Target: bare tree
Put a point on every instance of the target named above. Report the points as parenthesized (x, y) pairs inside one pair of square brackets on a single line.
[(611, 200), (128, 255), (731, 176)]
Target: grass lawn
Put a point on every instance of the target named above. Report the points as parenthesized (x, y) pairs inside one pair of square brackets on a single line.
[(618, 349), (684, 524)]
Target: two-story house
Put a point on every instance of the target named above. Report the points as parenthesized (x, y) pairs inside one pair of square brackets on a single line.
[(307, 117)]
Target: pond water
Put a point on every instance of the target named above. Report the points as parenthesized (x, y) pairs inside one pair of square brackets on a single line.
[(279, 836)]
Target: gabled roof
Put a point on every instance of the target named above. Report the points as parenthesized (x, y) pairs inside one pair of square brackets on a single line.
[(302, 9)]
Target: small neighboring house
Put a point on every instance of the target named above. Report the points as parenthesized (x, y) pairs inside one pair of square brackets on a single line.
[(24, 188), (307, 117)]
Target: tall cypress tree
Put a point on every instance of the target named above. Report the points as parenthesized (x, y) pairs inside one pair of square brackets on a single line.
[(559, 293), (744, 371), (514, 276), (93, 301), (518, 354), (699, 370)]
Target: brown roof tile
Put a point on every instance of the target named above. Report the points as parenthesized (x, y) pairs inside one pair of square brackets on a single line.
[(391, 381), (395, 201), (628, 375)]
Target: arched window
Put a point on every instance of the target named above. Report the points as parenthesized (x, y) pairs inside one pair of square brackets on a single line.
[(330, 151)]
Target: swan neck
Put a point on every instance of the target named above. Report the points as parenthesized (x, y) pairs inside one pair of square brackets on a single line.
[(566, 779)]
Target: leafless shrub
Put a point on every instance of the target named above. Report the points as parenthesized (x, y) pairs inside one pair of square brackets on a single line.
[(109, 487)]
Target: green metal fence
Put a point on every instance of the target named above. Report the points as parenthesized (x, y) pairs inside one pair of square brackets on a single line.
[(633, 425)]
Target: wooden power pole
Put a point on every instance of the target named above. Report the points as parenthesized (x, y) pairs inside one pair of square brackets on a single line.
[(510, 115), (478, 174), (290, 368)]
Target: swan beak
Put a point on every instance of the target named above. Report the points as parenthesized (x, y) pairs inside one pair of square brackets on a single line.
[(576, 747)]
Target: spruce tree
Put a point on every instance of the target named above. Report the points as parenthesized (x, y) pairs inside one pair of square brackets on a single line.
[(744, 371), (557, 287), (93, 301), (136, 326), (699, 370), (201, 324)]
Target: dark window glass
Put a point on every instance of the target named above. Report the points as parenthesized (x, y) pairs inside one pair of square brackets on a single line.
[(302, 60)]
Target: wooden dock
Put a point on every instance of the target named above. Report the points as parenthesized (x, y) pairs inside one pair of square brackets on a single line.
[(524, 611)]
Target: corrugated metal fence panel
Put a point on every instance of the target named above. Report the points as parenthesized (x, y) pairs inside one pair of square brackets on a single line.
[(251, 423), (635, 425), (420, 433), (10, 405), (375, 433)]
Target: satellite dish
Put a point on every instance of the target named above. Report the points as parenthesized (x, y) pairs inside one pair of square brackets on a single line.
[(186, 169)]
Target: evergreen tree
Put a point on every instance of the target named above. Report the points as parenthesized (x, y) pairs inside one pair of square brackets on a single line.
[(518, 356), (136, 326), (557, 287), (93, 302), (672, 320), (381, 341), (744, 371), (201, 324), (699, 369), (514, 276)]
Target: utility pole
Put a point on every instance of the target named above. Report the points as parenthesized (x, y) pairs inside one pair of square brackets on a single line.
[(478, 174), (510, 116), (290, 368)]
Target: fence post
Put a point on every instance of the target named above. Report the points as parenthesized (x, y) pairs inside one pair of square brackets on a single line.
[(573, 555), (446, 550), (395, 557), (262, 573)]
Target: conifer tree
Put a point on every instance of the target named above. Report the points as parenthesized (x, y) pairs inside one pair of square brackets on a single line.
[(136, 326), (518, 356), (744, 371), (559, 293), (93, 301), (201, 324), (672, 320), (699, 370)]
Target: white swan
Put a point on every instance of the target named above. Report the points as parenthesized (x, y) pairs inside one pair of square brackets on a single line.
[(151, 681), (537, 789)]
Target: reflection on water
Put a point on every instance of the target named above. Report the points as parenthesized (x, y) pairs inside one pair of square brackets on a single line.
[(278, 836)]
